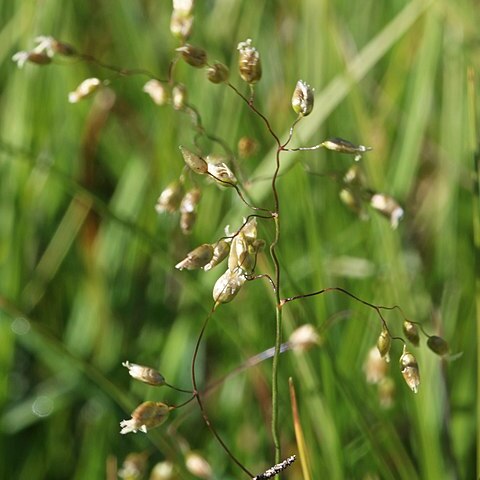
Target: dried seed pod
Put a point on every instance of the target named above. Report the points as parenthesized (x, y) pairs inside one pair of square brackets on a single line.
[(304, 338), (388, 207), (85, 89), (196, 163), (146, 416), (169, 200), (410, 371), (344, 146), (249, 63), (197, 258), (179, 96), (198, 466), (221, 173), (220, 252), (383, 344), (437, 345), (227, 286), (411, 332), (194, 56), (218, 73), (157, 91), (144, 374), (302, 99)]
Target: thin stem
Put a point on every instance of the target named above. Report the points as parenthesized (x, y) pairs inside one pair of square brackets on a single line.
[(177, 389), (119, 70), (346, 292), (255, 110), (197, 396)]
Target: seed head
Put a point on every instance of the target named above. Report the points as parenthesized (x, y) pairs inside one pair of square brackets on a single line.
[(220, 252), (247, 147), (388, 207), (134, 466), (181, 24), (169, 200), (411, 332), (227, 286), (304, 338), (144, 374), (146, 416), (197, 258), (383, 344), (222, 174), (344, 146), (38, 58), (218, 73), (302, 99), (410, 371), (179, 96), (437, 345), (198, 466), (249, 63), (374, 367), (196, 163), (194, 56), (190, 200), (85, 89), (157, 91)]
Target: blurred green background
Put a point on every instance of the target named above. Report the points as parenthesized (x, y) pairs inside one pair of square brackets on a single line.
[(87, 265)]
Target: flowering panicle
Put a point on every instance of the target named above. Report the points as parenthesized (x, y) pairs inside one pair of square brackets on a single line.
[(146, 416), (249, 63)]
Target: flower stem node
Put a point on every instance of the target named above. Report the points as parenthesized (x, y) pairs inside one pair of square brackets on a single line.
[(197, 258), (302, 99), (157, 91), (410, 371), (344, 146), (146, 416), (411, 332), (85, 89), (437, 345), (144, 374), (196, 163), (218, 73), (249, 63), (194, 56)]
